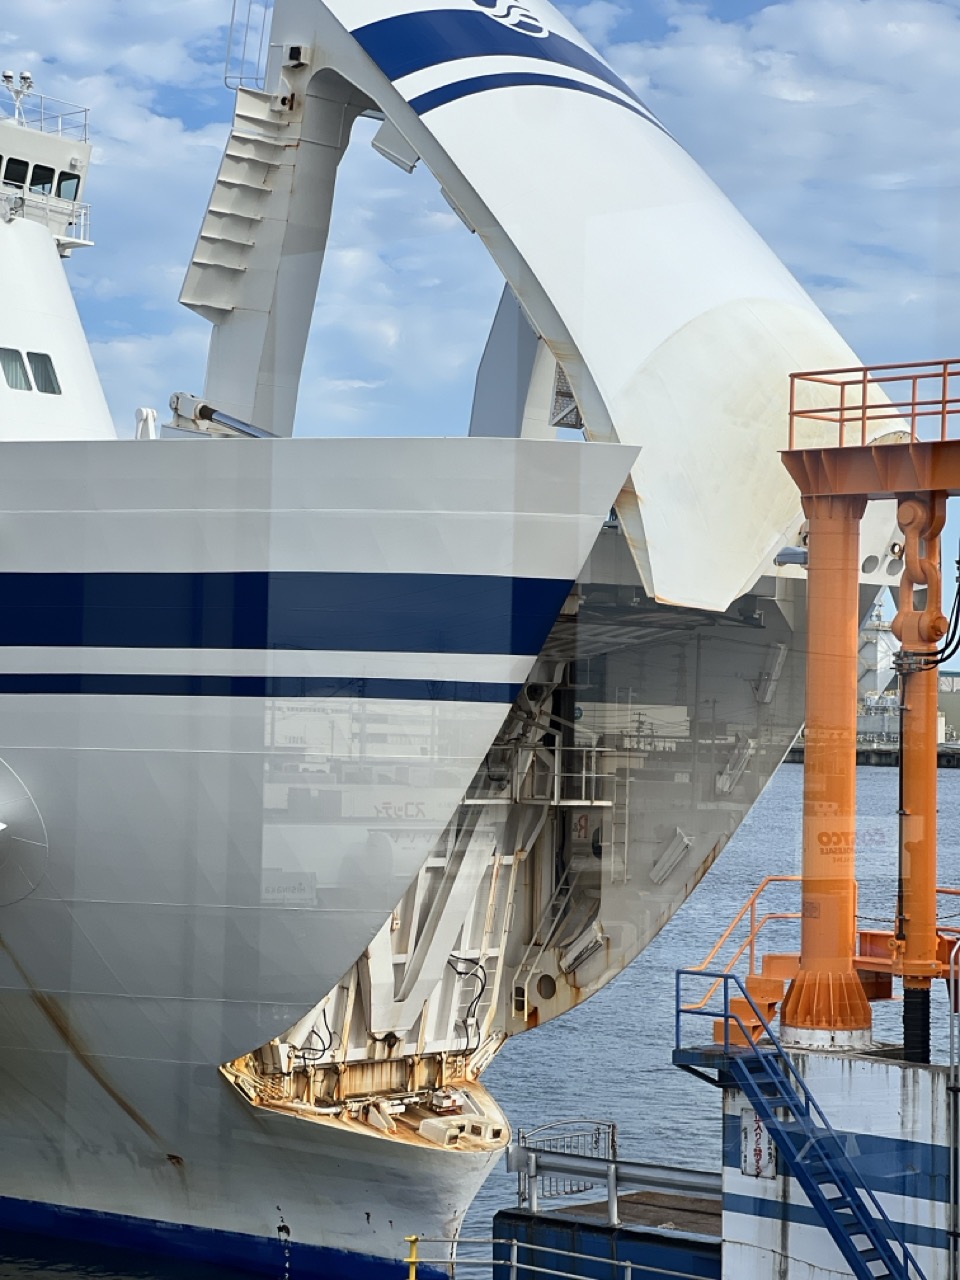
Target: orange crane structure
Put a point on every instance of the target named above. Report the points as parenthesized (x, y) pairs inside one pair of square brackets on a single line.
[(919, 466)]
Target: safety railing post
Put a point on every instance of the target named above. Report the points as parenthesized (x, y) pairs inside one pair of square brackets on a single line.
[(533, 1196), (412, 1258), (613, 1209), (946, 398), (843, 414), (513, 1260), (913, 408)]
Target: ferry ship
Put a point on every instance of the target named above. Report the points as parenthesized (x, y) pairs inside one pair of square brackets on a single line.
[(328, 765)]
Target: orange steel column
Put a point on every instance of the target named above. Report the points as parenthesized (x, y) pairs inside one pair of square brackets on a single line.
[(921, 518), (826, 1003)]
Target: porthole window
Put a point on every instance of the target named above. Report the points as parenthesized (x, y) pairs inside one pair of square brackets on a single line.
[(41, 180), (14, 370), (44, 375), (68, 186), (16, 172)]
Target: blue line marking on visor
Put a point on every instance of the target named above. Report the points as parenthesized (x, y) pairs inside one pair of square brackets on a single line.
[(509, 79), (412, 42)]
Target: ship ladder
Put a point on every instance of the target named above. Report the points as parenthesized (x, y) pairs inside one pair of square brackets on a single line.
[(813, 1151)]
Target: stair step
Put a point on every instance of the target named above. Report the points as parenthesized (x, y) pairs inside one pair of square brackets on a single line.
[(234, 213), (245, 158), (741, 1008), (214, 237), (216, 266), (270, 142), (764, 988), (240, 182)]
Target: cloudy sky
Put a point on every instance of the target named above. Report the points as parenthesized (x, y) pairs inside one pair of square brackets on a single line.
[(832, 124)]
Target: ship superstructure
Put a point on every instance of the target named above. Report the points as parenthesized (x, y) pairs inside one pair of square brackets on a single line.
[(330, 764)]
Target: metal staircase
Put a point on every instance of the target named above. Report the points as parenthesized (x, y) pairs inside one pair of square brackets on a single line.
[(238, 207), (813, 1151)]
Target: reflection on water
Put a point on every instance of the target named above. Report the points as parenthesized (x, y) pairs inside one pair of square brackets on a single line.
[(610, 1059)]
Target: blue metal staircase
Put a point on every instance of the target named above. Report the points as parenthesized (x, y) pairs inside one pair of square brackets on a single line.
[(872, 1246)]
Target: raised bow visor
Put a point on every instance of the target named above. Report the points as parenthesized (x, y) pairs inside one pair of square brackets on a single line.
[(674, 323)]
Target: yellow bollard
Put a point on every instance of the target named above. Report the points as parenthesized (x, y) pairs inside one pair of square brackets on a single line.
[(413, 1242)]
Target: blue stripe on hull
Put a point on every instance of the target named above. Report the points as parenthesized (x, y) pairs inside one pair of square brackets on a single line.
[(366, 612), (253, 1254), (285, 687)]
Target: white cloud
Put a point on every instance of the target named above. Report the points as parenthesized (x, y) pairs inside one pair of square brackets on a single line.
[(829, 122)]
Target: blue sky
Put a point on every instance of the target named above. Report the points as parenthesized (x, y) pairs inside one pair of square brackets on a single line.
[(833, 124)]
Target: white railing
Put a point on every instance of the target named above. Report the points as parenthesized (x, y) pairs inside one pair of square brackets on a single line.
[(247, 44), (577, 776), (67, 220), (532, 1164), (50, 115), (512, 1259), (595, 1139)]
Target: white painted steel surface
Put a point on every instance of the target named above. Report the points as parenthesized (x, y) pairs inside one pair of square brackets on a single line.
[(674, 322), (40, 315), (184, 874)]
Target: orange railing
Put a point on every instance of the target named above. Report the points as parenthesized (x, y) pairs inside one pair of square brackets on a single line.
[(859, 400), (748, 944)]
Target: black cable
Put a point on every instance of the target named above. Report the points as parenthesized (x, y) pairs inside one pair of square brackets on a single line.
[(330, 1032), (308, 1053), (476, 970)]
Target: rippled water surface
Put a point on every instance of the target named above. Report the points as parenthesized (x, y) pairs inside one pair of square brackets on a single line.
[(610, 1059)]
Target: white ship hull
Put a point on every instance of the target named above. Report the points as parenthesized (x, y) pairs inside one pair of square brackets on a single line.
[(85, 1160), (173, 894)]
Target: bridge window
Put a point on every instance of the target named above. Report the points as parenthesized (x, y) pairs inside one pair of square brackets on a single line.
[(44, 375), (16, 172), (68, 186), (42, 179), (14, 370)]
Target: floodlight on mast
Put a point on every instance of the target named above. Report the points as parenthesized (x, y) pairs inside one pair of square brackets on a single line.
[(18, 92)]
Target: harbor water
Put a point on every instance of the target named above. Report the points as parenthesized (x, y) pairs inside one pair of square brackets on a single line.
[(610, 1059)]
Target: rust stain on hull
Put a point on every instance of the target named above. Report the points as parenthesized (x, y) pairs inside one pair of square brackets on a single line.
[(56, 1015)]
